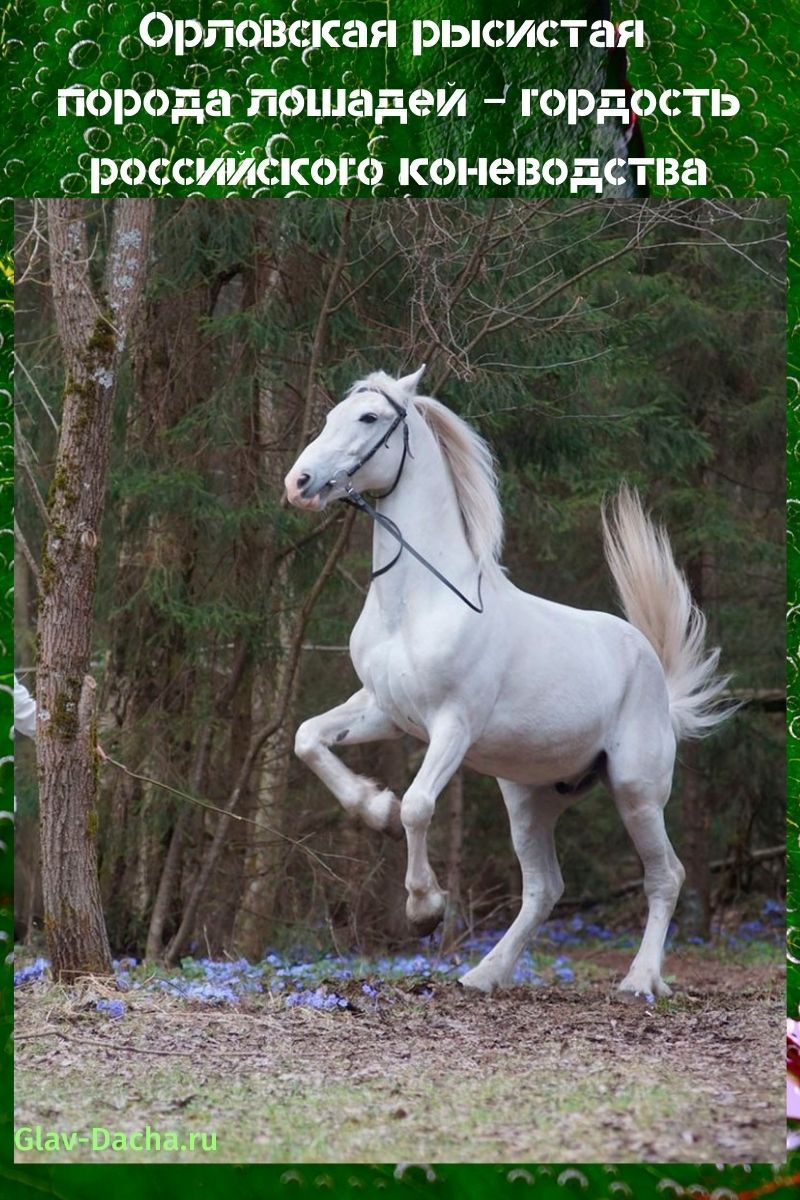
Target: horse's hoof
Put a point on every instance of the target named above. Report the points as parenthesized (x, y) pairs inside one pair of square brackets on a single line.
[(643, 990), (476, 982), (425, 926)]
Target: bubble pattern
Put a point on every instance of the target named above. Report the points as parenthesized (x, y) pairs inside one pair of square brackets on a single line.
[(740, 46), (735, 46)]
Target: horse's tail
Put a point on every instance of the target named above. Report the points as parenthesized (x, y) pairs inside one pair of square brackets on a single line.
[(657, 600)]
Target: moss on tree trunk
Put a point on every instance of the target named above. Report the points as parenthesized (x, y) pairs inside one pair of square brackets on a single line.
[(92, 327)]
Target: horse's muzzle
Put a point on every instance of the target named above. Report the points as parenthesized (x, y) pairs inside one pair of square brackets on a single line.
[(301, 491)]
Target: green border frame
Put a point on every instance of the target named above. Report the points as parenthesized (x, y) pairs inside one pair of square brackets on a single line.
[(734, 45)]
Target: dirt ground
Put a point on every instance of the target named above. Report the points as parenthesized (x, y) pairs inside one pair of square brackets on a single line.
[(556, 1074)]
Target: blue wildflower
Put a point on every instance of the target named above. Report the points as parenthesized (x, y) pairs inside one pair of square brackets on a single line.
[(34, 970), (114, 1008), (194, 989), (318, 998), (123, 964)]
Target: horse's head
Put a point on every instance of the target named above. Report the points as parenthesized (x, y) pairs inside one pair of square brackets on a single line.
[(362, 443)]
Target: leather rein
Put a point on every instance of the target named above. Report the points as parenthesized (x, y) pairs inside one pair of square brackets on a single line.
[(359, 501)]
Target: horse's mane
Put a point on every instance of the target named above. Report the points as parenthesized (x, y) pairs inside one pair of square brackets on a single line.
[(471, 465), (470, 462)]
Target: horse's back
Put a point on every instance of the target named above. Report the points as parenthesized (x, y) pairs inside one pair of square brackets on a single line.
[(556, 640), (570, 678)]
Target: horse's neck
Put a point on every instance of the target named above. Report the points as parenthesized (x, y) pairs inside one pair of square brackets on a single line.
[(425, 508)]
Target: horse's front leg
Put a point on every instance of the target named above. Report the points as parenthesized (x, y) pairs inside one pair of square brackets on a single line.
[(359, 719), (449, 742)]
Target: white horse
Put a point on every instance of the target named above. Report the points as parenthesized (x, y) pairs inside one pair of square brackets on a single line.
[(546, 698)]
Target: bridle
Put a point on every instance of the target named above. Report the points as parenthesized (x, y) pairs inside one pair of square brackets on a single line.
[(400, 419), (359, 501)]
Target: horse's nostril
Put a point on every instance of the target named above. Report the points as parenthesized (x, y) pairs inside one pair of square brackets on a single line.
[(303, 479)]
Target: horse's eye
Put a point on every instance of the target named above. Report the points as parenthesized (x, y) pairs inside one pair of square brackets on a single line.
[(368, 418)]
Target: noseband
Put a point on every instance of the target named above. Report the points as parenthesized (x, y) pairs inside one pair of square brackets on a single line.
[(359, 501)]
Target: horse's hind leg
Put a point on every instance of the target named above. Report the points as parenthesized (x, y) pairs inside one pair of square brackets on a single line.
[(641, 793), (356, 721), (533, 816)]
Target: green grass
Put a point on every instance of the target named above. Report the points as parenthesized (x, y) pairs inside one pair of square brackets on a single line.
[(415, 1117)]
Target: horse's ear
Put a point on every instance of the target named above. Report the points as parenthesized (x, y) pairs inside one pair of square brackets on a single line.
[(409, 382)]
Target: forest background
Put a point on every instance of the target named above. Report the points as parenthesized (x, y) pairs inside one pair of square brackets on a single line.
[(588, 341)]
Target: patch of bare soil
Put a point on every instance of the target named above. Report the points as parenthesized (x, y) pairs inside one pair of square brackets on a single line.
[(529, 1075)]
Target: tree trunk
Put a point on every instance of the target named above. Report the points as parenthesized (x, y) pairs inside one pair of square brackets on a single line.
[(696, 895), (73, 914), (392, 770), (695, 907), (170, 871), (256, 906), (455, 834), (172, 371), (262, 858), (92, 328)]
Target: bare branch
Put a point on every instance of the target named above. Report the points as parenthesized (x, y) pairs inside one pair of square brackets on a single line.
[(40, 397), (24, 457), (19, 539), (322, 325)]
